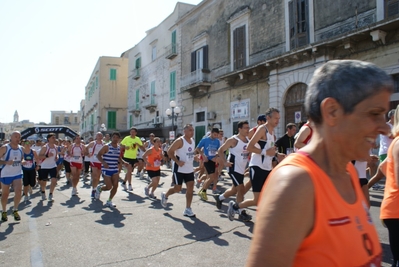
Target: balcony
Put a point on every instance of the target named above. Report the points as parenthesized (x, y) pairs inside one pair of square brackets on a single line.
[(197, 83), (151, 106), (136, 73), (171, 51), (136, 111)]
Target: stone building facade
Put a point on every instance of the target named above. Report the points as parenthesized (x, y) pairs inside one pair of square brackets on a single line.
[(154, 76), (104, 107), (239, 58)]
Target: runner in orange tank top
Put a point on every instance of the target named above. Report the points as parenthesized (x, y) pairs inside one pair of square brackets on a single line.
[(153, 160), (312, 211), (389, 212)]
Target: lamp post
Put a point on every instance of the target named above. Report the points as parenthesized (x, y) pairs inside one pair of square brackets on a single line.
[(173, 113)]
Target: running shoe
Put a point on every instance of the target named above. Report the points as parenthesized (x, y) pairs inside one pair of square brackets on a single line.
[(188, 212), (26, 198), (203, 195), (146, 191), (244, 216), (110, 204), (93, 194), (98, 192), (43, 196), (4, 216), (152, 196), (137, 175), (74, 191), (218, 202), (164, 200), (130, 188), (197, 184), (50, 198), (124, 186), (231, 211), (16, 215)]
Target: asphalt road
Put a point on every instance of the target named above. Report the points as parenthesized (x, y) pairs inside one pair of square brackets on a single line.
[(76, 231)]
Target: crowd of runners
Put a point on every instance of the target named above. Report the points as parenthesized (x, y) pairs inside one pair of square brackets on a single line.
[(251, 153)]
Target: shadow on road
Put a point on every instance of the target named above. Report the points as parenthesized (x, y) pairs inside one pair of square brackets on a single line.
[(113, 216), (72, 202), (386, 253), (39, 209), (133, 197), (200, 231), (9, 230)]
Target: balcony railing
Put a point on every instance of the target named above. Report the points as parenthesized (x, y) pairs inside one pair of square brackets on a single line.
[(195, 77), (171, 51), (136, 74)]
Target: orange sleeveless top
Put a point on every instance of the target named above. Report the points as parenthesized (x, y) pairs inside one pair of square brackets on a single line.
[(390, 203), (343, 234), (155, 159)]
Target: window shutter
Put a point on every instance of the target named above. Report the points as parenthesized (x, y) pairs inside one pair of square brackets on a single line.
[(152, 92), (193, 61), (239, 47), (205, 56), (292, 20), (391, 8), (137, 99), (172, 94), (111, 123), (138, 63), (174, 50)]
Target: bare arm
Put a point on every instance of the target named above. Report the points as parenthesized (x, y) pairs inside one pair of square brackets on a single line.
[(231, 142), (177, 144), (100, 154), (42, 153), (288, 197), (145, 155), (3, 151), (302, 135), (395, 153), (261, 132)]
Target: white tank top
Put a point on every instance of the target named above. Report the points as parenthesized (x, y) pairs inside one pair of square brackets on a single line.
[(76, 153), (185, 154), (15, 169), (49, 163), (238, 155), (262, 161), (93, 151)]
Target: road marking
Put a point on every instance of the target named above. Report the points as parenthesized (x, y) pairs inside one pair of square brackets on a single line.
[(36, 257)]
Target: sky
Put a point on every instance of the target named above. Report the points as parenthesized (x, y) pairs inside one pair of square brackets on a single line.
[(49, 48)]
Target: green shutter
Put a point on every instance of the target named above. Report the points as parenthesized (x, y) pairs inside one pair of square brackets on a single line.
[(130, 120), (172, 85), (138, 63), (91, 119), (174, 41), (137, 99), (152, 92), (97, 82), (111, 123), (112, 74)]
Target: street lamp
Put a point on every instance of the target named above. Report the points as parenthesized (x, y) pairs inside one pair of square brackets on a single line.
[(103, 128), (173, 113)]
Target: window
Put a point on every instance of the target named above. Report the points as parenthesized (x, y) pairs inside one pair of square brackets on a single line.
[(391, 8), (66, 120), (130, 120), (172, 85), (112, 74), (154, 53), (57, 120), (91, 119), (200, 116), (137, 99), (97, 80), (111, 120), (174, 49), (138, 63), (75, 120), (199, 59), (239, 47), (298, 20), (152, 92), (395, 78)]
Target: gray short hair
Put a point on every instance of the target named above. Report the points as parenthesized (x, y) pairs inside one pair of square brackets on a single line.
[(347, 81), (391, 113)]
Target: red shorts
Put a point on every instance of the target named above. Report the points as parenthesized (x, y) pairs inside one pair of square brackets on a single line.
[(95, 165), (77, 165)]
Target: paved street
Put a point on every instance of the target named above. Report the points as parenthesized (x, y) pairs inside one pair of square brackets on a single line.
[(138, 232)]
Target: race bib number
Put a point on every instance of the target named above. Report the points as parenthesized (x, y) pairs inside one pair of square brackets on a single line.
[(16, 163), (28, 164), (157, 163)]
